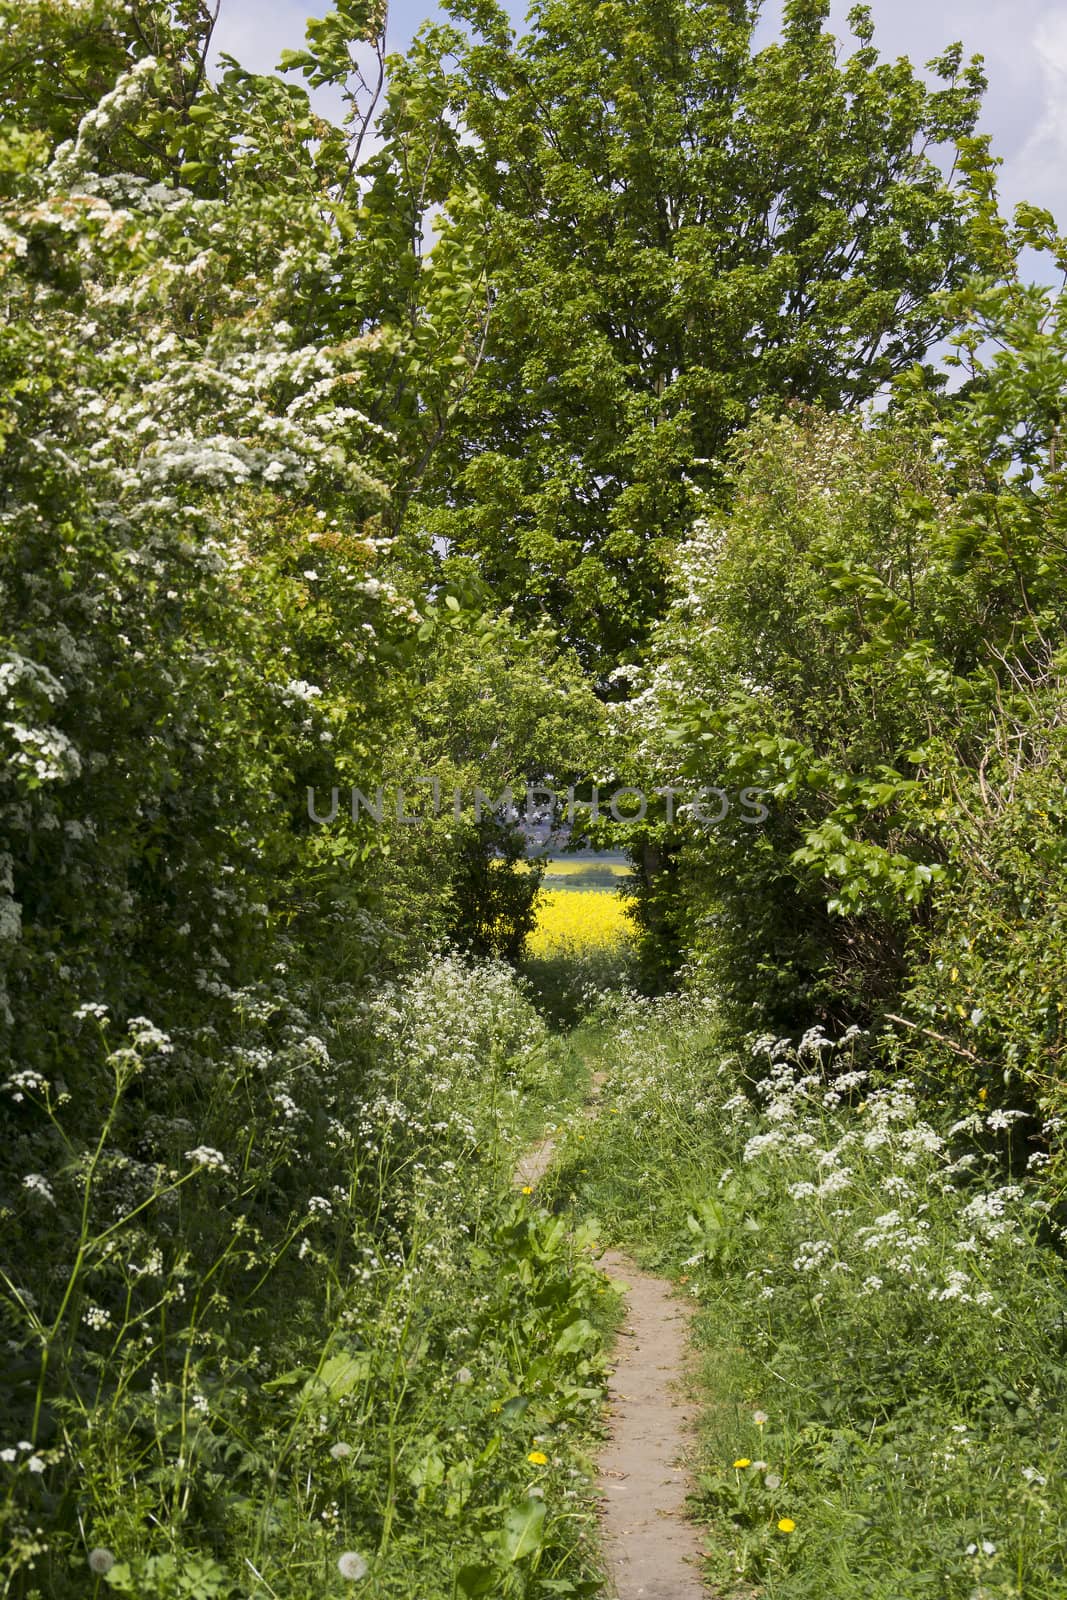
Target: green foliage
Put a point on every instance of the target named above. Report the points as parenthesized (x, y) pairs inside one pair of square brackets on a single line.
[(334, 1329), (873, 636), (880, 1318), (496, 713), (813, 686), (306, 428), (226, 1168), (679, 227)]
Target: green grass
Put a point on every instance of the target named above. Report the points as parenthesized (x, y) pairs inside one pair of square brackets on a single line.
[(567, 983), (334, 1331), (882, 1321)]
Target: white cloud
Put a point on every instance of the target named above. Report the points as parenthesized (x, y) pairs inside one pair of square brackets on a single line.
[(1039, 171)]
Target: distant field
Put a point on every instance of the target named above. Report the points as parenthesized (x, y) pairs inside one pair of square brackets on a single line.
[(579, 905), (586, 873), (572, 918)]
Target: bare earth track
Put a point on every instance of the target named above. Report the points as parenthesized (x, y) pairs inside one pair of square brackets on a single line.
[(653, 1553)]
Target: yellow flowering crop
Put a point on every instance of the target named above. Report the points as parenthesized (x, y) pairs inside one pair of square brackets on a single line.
[(576, 917)]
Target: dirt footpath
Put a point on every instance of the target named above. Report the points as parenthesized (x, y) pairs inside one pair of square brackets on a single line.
[(652, 1551)]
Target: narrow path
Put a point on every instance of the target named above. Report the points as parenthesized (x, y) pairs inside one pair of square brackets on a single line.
[(652, 1552)]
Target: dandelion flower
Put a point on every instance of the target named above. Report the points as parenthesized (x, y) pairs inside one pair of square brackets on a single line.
[(773, 1481), (759, 1418), (527, 1188), (101, 1560), (538, 1458), (786, 1525), (352, 1566), (340, 1450), (742, 1461)]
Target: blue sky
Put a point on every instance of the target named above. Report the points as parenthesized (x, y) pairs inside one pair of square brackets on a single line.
[(1024, 43)]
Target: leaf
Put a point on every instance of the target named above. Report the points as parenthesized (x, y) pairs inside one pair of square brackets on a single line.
[(292, 60), (476, 1581), (577, 1335), (339, 1376), (523, 1529), (285, 1380)]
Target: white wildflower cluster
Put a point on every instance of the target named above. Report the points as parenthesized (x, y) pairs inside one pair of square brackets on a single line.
[(39, 1186), (145, 1036), (881, 1202), (26, 684), (204, 1156), (23, 1454), (27, 1080), (90, 1008), (298, 690), (75, 157), (835, 1161), (42, 754)]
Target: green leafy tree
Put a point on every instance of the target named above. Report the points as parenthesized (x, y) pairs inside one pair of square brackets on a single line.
[(680, 227), (497, 716)]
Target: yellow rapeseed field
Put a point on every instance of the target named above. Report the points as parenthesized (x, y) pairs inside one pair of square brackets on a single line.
[(575, 917)]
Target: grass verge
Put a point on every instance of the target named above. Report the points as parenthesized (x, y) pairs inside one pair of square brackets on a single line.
[(883, 1317), (316, 1345)]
